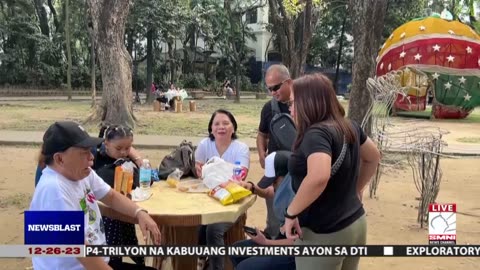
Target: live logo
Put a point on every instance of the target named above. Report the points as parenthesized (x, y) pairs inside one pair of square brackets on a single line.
[(447, 207), (442, 224)]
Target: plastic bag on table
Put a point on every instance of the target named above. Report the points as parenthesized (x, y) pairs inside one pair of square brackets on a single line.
[(174, 178), (216, 171)]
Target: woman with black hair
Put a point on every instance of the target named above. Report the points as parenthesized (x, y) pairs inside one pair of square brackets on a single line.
[(221, 142)]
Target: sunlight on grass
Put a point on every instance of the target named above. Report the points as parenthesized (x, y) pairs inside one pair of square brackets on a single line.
[(38, 115)]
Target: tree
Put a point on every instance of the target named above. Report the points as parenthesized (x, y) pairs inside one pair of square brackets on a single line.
[(368, 18), (42, 17), (235, 34), (292, 26), (108, 19), (69, 51)]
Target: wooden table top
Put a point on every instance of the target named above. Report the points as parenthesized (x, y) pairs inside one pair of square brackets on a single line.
[(169, 206)]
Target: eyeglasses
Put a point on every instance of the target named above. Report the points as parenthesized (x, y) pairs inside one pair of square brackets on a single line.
[(275, 87)]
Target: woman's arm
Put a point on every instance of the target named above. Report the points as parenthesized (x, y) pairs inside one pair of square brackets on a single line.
[(198, 168), (369, 159), (314, 183)]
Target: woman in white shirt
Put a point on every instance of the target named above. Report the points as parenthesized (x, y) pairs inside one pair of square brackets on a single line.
[(221, 142)]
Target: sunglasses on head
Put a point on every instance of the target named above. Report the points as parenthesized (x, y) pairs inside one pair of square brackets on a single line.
[(275, 87)]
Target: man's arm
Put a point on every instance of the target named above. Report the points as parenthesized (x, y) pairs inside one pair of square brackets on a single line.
[(123, 205), (262, 141), (263, 130)]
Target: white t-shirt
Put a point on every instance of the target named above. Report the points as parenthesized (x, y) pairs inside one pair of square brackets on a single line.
[(54, 192), (236, 151)]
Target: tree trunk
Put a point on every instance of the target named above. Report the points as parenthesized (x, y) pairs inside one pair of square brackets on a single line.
[(293, 44), (92, 68), (54, 14), (339, 55), (172, 61), (109, 17), (42, 17), (149, 65), (130, 41), (368, 17), (69, 50)]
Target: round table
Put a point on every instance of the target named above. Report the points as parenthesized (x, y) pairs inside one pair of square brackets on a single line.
[(179, 214)]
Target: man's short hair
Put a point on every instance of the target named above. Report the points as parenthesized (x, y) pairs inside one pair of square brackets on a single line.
[(280, 70)]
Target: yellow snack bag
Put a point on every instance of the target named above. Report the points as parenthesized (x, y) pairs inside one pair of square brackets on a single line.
[(238, 192), (222, 195), (229, 193)]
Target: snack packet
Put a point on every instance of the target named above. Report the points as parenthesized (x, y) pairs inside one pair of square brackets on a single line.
[(174, 178), (123, 180), (229, 193)]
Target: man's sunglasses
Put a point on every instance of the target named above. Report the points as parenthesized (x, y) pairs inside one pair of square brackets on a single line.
[(275, 87)]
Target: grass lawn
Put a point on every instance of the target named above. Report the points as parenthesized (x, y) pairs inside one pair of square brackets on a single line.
[(38, 115)]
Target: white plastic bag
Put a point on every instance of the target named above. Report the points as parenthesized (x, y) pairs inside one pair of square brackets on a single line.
[(216, 171)]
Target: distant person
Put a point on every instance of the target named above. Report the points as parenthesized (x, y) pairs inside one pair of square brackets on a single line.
[(228, 89)]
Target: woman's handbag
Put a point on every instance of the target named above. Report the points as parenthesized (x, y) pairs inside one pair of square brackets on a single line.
[(284, 193)]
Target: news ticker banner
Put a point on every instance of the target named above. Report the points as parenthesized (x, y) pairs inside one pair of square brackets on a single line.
[(298, 251), (20, 251)]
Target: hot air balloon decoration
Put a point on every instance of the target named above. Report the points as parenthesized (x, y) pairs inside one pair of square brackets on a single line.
[(439, 59)]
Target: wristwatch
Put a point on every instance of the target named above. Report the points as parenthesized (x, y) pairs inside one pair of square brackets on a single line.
[(290, 216), (139, 210), (252, 189)]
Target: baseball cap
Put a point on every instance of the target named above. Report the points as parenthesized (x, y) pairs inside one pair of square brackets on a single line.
[(65, 134), (276, 164)]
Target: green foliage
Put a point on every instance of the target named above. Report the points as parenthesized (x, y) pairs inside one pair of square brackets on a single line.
[(294, 7), (326, 37), (195, 81), (400, 12)]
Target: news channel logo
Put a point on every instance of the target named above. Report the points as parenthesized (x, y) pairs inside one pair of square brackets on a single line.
[(54, 227), (442, 224)]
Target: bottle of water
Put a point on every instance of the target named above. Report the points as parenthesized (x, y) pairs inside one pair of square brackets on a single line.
[(237, 171), (145, 177)]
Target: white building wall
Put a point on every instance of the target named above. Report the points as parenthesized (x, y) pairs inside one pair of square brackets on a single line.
[(259, 29), (261, 33)]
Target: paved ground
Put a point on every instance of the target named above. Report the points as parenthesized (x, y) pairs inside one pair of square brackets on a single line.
[(8, 137)]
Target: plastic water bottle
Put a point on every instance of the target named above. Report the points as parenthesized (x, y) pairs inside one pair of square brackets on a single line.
[(237, 171), (145, 177)]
